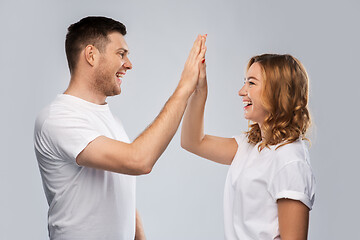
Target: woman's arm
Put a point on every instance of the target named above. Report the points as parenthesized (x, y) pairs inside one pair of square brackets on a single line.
[(293, 219), (193, 139)]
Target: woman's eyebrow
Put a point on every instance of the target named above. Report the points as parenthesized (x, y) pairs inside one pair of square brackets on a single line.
[(251, 78)]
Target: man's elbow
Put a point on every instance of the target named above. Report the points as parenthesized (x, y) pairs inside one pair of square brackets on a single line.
[(141, 166), (138, 170), (143, 170)]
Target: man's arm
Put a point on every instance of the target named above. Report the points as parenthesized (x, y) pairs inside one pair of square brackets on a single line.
[(140, 156), (139, 231)]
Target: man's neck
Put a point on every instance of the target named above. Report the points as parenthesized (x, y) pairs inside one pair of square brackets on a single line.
[(80, 89)]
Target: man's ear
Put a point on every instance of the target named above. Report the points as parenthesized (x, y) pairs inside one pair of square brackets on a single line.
[(91, 54)]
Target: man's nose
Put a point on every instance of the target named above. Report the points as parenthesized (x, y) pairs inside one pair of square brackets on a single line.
[(127, 64)]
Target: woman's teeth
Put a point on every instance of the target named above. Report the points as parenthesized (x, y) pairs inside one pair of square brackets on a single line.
[(247, 103)]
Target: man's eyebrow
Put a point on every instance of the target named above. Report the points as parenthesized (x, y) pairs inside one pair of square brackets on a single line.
[(123, 49)]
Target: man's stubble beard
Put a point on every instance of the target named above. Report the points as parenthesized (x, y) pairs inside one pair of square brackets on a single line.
[(105, 83)]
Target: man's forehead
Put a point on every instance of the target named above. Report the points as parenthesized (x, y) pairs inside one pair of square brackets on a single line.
[(117, 41)]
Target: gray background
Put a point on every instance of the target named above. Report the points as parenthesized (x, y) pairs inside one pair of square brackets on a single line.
[(182, 197)]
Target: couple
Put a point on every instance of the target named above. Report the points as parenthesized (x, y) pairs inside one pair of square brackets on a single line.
[(88, 164)]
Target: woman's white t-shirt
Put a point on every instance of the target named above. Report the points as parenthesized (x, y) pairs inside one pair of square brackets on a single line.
[(256, 180)]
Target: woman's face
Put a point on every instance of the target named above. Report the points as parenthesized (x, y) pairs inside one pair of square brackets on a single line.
[(251, 95)]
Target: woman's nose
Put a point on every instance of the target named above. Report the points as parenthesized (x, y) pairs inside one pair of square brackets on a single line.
[(243, 91)]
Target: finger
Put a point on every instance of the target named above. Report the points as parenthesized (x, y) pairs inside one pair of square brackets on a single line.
[(202, 72), (202, 67), (204, 36), (195, 45), (202, 53), (203, 41), (196, 48)]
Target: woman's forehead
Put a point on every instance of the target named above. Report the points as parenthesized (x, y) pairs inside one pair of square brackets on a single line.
[(254, 71)]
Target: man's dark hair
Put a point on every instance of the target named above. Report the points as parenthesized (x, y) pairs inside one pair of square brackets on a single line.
[(89, 30)]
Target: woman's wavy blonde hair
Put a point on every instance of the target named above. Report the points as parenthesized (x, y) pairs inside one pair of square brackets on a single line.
[(285, 96)]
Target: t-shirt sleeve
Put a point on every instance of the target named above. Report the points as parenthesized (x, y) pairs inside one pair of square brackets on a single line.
[(67, 136), (241, 139), (294, 181)]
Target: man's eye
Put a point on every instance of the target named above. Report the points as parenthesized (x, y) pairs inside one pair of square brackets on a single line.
[(122, 54)]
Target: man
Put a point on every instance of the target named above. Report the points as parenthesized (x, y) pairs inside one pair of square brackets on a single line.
[(86, 160)]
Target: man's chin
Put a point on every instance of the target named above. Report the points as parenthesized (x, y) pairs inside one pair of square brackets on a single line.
[(113, 93), (117, 92)]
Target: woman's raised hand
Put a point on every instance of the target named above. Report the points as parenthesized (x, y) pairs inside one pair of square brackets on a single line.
[(202, 84)]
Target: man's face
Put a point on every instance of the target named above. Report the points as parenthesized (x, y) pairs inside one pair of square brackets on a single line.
[(112, 67)]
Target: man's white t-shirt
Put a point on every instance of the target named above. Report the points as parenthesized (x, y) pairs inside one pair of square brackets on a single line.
[(84, 203), (256, 180)]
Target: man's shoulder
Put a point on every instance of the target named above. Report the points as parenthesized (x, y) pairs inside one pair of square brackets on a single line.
[(58, 111)]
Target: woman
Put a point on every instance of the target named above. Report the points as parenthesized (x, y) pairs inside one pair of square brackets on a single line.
[(270, 187)]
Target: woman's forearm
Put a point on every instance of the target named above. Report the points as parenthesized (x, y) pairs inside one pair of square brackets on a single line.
[(192, 131)]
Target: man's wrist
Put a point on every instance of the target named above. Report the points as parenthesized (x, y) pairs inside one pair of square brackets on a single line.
[(183, 92)]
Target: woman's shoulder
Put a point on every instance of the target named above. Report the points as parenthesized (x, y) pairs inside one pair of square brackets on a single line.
[(243, 141), (240, 138), (292, 152)]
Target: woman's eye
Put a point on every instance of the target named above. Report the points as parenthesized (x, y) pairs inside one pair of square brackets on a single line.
[(251, 83)]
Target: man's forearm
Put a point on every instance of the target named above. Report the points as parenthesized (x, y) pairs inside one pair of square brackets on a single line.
[(153, 141)]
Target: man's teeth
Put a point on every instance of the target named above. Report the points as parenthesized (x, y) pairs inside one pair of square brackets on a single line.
[(120, 75)]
